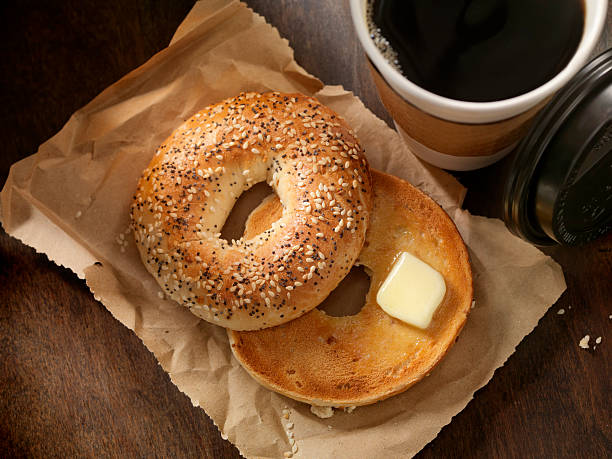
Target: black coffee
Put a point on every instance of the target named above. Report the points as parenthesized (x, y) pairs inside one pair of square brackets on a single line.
[(481, 50)]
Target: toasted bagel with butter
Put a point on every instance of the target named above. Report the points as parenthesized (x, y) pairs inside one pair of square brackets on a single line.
[(361, 359)]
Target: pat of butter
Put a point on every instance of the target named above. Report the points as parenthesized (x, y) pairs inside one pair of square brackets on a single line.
[(412, 291)]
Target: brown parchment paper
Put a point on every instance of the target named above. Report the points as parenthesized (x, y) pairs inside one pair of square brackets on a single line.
[(70, 200)]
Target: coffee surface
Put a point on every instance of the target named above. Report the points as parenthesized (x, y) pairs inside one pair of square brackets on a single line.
[(481, 50)]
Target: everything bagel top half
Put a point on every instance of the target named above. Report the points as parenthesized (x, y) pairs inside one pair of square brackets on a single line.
[(308, 155)]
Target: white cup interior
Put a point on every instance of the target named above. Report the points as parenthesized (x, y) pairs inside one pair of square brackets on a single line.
[(481, 112)]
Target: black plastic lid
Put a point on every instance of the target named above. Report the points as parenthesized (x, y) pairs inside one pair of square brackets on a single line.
[(559, 188)]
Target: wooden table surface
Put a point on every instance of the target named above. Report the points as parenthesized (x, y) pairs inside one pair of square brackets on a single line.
[(75, 382)]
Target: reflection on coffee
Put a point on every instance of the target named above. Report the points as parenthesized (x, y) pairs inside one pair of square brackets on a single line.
[(479, 50)]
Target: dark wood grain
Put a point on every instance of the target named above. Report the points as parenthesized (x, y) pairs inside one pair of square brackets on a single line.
[(75, 382)]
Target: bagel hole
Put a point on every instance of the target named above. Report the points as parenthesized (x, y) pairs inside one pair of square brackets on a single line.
[(248, 201), (349, 296)]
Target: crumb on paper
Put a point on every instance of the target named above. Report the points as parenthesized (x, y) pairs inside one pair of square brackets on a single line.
[(329, 427), (78, 214), (597, 341), (290, 435), (349, 409), (160, 294), (323, 412), (584, 342), (473, 304), (122, 241), (561, 311)]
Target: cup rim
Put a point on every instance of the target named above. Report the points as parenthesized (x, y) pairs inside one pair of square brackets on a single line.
[(481, 112)]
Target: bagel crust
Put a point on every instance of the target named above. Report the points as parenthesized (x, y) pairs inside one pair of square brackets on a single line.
[(308, 155), (363, 358)]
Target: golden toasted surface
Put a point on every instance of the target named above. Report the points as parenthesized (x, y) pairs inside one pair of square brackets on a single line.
[(360, 359), (308, 155)]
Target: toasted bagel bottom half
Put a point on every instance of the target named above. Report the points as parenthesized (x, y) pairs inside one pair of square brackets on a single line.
[(363, 358)]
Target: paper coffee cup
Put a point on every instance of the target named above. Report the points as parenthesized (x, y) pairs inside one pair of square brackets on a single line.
[(461, 135)]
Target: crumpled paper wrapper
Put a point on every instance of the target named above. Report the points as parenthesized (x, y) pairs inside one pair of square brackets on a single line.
[(70, 200)]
